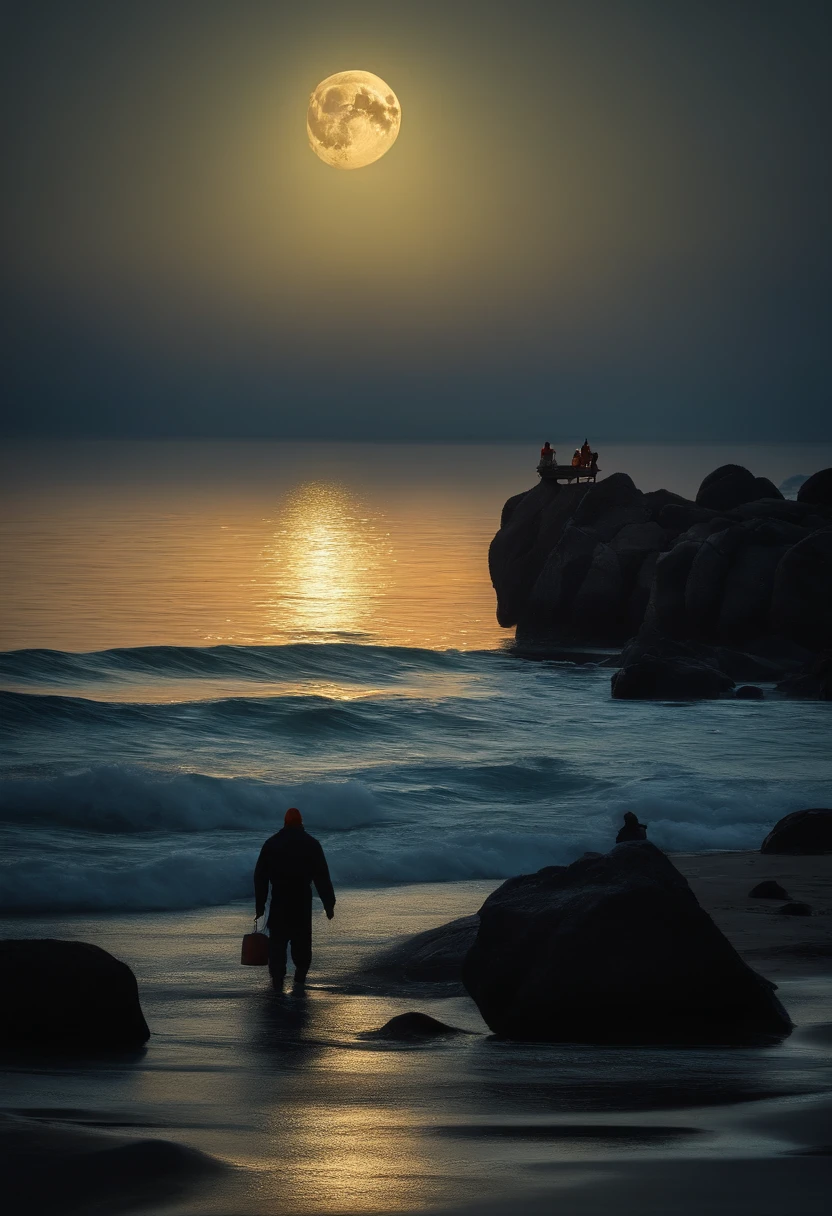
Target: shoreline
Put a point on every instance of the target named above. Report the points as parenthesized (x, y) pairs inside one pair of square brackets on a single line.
[(304, 1115)]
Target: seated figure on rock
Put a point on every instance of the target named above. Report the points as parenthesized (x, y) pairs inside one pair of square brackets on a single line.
[(632, 829)]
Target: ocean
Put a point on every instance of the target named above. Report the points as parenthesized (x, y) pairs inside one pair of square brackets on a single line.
[(197, 635)]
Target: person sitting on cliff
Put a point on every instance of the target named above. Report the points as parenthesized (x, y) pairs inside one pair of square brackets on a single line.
[(576, 459), (632, 830), (586, 454), (547, 454)]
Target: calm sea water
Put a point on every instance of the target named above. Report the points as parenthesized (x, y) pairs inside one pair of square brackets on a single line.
[(196, 635)]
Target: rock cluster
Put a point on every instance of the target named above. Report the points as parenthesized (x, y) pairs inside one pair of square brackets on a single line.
[(613, 949), (740, 570)]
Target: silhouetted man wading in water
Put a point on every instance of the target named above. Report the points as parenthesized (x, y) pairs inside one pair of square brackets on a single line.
[(291, 860)]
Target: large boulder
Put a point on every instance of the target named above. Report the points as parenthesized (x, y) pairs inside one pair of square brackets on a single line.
[(642, 587), (655, 501), (434, 956), (801, 832), (666, 610), (550, 602), (679, 517), (613, 949), (654, 667), (67, 994), (781, 508), (767, 490), (616, 497), (817, 489), (706, 580), (532, 525), (740, 665), (746, 593), (748, 581), (597, 606), (583, 589), (813, 681), (727, 487), (801, 601)]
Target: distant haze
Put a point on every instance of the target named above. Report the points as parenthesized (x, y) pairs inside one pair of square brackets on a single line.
[(599, 217)]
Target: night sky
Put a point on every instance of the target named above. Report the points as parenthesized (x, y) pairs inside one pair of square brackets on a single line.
[(611, 217)]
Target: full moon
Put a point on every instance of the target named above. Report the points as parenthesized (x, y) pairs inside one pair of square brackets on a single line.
[(352, 120)]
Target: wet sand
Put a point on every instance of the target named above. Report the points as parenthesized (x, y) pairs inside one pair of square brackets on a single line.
[(774, 944), (303, 1114)]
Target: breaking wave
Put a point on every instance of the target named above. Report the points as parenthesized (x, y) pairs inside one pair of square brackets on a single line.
[(118, 799), (118, 840)]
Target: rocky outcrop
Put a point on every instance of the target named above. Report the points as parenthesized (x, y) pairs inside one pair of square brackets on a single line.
[(613, 949), (801, 832), (741, 568), (67, 994)]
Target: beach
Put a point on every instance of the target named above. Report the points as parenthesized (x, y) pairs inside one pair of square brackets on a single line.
[(304, 1115)]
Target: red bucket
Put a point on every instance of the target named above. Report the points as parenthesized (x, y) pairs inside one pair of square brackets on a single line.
[(255, 952)]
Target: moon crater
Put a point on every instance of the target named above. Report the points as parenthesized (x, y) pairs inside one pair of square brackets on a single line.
[(353, 119)]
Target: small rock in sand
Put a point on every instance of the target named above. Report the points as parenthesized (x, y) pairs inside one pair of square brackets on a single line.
[(795, 909), (768, 890), (749, 692), (413, 1027)]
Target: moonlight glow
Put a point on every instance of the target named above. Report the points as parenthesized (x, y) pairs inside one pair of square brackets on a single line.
[(353, 118)]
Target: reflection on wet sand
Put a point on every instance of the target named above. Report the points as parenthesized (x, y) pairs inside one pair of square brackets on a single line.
[(316, 1119), (332, 1140)]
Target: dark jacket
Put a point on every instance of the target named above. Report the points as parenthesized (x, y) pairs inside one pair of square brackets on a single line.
[(290, 861)]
